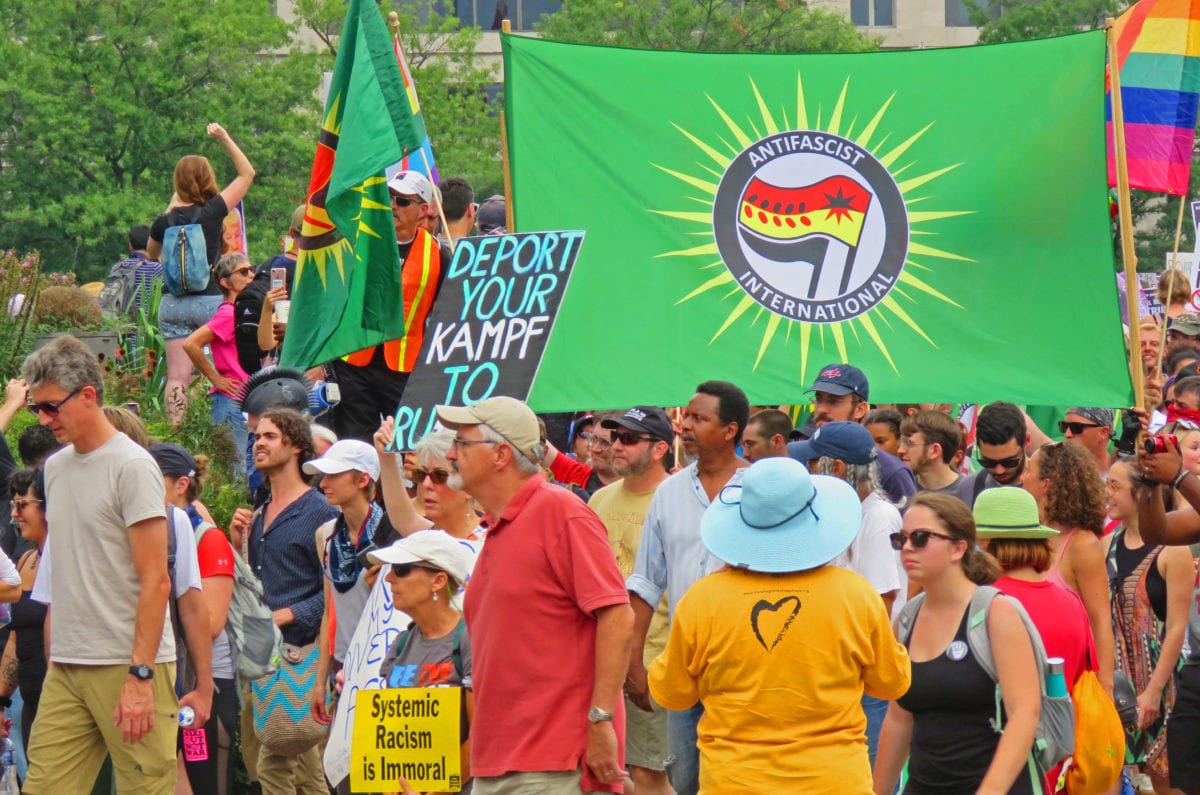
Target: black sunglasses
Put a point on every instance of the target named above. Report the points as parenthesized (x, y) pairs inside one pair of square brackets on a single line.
[(918, 539), (402, 201), (438, 475), (1076, 427), (402, 570), (1006, 463), (630, 438), (49, 407)]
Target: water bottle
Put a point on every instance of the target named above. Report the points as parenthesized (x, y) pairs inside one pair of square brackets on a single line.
[(1056, 683), (8, 762), (187, 717)]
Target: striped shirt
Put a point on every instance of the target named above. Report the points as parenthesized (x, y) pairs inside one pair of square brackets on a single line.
[(670, 555), (292, 575)]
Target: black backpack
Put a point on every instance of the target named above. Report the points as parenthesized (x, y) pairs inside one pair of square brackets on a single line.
[(247, 309)]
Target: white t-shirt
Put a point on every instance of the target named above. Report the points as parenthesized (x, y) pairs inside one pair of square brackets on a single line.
[(870, 553)]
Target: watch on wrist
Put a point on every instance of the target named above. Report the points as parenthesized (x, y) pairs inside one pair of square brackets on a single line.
[(143, 672), (597, 715)]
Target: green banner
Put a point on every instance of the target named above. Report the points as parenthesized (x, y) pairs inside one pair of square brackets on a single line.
[(936, 217)]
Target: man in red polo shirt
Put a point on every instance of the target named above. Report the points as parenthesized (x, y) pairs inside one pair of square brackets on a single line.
[(548, 613)]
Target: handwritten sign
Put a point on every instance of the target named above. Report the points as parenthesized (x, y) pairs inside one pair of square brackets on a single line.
[(381, 623), (410, 732), (489, 326)]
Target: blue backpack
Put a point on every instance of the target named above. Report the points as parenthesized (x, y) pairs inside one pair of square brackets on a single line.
[(185, 258)]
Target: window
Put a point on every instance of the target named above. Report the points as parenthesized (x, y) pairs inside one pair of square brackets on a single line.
[(488, 14), (958, 14), (873, 13)]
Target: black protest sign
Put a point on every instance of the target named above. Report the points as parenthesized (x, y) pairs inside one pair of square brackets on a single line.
[(489, 326)]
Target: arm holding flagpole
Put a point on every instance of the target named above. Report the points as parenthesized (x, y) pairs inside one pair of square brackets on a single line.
[(1125, 218)]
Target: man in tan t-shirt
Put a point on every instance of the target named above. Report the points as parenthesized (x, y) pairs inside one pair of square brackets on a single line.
[(111, 687), (641, 439)]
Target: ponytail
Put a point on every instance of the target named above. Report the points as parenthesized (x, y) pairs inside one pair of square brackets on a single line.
[(980, 567)]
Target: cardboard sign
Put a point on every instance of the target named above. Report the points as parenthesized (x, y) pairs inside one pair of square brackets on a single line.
[(411, 732), (489, 326)]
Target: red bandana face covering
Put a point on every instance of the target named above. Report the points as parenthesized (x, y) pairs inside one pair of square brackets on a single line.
[(1175, 414)]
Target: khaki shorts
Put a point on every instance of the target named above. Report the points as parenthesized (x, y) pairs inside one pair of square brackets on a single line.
[(646, 736), (554, 782), (74, 730)]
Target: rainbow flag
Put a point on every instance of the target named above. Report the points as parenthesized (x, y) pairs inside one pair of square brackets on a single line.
[(1158, 53), (421, 161)]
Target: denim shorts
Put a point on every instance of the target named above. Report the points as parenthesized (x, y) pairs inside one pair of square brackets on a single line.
[(180, 315)]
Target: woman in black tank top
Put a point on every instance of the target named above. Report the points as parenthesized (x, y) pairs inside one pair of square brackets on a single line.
[(943, 724), (27, 640)]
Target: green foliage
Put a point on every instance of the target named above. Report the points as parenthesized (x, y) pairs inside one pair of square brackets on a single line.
[(708, 25), (100, 98), (450, 76), (1019, 20)]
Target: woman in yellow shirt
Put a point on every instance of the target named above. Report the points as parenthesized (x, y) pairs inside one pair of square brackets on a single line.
[(778, 646)]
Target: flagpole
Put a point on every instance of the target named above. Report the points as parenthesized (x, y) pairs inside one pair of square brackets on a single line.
[(1162, 344), (394, 24), (509, 223), (1125, 219)]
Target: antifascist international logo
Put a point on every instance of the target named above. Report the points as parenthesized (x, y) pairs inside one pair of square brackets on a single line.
[(811, 226), (819, 216)]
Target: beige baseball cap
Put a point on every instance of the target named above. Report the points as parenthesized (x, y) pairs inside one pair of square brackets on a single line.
[(509, 417)]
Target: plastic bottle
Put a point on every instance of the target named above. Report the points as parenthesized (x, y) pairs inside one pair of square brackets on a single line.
[(8, 764), (187, 717)]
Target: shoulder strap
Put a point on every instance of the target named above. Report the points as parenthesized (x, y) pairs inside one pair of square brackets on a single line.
[(980, 482), (456, 654), (908, 617), (977, 628)]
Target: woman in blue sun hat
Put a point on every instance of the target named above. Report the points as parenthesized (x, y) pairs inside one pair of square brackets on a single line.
[(779, 646)]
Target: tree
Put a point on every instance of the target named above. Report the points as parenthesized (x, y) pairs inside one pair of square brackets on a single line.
[(452, 82), (1019, 20), (99, 99), (706, 25)]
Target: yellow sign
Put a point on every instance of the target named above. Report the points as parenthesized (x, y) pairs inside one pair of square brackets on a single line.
[(411, 732)]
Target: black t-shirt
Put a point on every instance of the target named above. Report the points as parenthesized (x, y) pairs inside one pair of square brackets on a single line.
[(210, 216)]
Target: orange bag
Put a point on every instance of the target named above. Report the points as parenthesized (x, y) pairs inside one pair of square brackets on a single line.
[(1099, 740)]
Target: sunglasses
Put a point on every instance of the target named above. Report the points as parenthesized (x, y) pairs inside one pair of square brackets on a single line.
[(1076, 427), (1006, 463), (917, 538), (403, 201), (402, 570), (242, 271), (21, 505), (49, 407), (439, 476), (630, 438)]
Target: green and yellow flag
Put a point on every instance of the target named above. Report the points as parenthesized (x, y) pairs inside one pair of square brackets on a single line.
[(936, 217), (346, 293)]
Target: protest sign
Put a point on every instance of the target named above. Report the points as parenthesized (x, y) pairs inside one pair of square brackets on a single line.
[(380, 625), (412, 732), (489, 325)]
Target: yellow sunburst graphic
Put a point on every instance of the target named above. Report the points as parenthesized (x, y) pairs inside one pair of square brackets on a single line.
[(732, 205)]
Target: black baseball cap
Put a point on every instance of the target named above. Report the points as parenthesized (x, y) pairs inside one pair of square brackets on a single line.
[(841, 379), (647, 419)]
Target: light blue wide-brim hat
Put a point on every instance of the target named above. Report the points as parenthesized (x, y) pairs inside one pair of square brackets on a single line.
[(781, 518)]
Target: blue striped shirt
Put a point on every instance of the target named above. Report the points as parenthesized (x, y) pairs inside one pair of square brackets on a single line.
[(670, 554), (285, 560)]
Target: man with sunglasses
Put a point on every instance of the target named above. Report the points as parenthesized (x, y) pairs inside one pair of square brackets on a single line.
[(641, 441), (1001, 440), (1090, 428), (372, 380), (547, 612), (111, 686)]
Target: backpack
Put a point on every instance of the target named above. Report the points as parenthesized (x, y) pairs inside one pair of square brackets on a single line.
[(185, 258), (254, 639), (247, 310), (116, 297), (1055, 736)]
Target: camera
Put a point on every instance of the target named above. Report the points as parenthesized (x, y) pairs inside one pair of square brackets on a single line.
[(1160, 442)]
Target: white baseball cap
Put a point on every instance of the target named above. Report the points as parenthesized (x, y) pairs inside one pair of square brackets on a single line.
[(438, 548), (343, 456), (411, 183)]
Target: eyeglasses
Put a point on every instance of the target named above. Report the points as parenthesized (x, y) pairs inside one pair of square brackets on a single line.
[(49, 407), (917, 538), (1006, 463), (468, 442), (242, 271), (911, 443), (1076, 428), (402, 570), (630, 438), (597, 441), (439, 476), (403, 201), (20, 505)]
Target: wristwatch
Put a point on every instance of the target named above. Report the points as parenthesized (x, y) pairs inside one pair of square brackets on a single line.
[(596, 715), (142, 672)]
